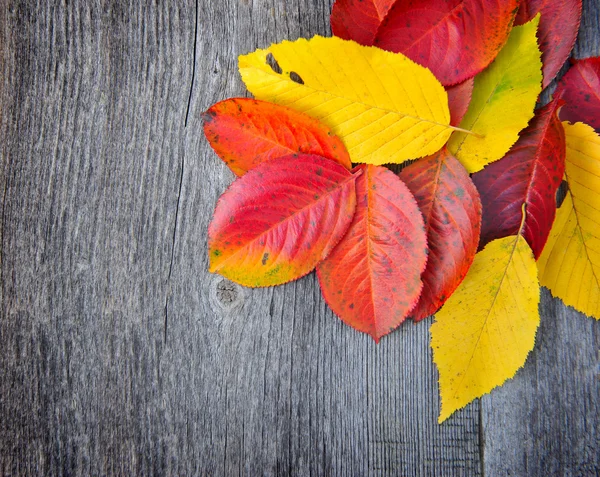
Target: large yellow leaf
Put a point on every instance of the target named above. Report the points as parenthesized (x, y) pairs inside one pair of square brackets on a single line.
[(570, 263), (486, 329), (385, 108), (504, 96)]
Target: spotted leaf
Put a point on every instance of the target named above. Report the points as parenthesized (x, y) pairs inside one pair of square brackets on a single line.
[(372, 279), (451, 208), (280, 219), (245, 132)]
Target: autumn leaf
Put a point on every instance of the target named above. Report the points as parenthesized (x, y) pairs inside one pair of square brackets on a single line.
[(580, 88), (280, 219), (359, 20), (529, 174), (450, 205), (384, 107), (557, 32), (245, 132), (570, 263), (486, 329), (459, 98), (372, 279), (504, 97), (456, 39)]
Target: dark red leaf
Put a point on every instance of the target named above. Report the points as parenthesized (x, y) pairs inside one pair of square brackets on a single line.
[(280, 219), (245, 132), (580, 88), (459, 97), (455, 39), (372, 279), (529, 174), (450, 205), (557, 31)]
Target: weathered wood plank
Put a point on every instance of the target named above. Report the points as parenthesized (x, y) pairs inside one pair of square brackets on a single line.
[(94, 163), (93, 150), (546, 421), (106, 200)]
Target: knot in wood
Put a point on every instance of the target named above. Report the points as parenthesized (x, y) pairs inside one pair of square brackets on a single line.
[(227, 293), (225, 297)]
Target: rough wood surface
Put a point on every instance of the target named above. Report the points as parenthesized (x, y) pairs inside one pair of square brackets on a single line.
[(106, 199)]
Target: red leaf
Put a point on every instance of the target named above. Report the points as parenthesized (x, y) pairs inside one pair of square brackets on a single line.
[(455, 39), (459, 97), (450, 205), (278, 221), (557, 31), (529, 174), (246, 132), (359, 20), (372, 279), (580, 88)]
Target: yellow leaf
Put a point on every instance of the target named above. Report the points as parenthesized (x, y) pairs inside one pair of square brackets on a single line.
[(504, 97), (384, 107), (570, 263), (486, 329)]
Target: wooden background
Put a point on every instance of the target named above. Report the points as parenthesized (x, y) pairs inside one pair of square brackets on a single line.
[(105, 203)]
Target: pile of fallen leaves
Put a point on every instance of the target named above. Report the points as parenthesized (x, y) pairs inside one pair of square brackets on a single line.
[(453, 86)]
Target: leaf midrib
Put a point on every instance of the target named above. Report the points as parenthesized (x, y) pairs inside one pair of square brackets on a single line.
[(580, 229), (323, 197), (491, 307), (356, 101)]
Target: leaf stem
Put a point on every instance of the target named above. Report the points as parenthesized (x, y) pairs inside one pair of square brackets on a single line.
[(466, 131), (524, 215)]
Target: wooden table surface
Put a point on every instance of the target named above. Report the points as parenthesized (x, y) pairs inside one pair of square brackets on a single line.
[(105, 201)]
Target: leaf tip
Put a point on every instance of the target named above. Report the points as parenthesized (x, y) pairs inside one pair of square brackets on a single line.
[(209, 115)]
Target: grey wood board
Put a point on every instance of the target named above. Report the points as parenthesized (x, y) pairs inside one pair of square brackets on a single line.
[(106, 199)]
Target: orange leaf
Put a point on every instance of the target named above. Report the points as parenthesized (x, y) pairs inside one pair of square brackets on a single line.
[(372, 279), (246, 132)]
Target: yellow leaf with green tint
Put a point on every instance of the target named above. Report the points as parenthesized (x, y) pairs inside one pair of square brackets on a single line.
[(384, 107), (486, 329), (570, 263), (504, 96)]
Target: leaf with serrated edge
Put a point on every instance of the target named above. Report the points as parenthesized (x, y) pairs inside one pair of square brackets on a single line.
[(459, 98), (279, 220), (504, 96), (486, 329), (559, 25), (456, 39), (359, 20), (372, 278), (529, 174), (451, 208), (570, 263), (384, 107), (245, 132), (580, 89)]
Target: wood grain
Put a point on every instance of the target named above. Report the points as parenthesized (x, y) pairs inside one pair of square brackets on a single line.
[(106, 199)]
